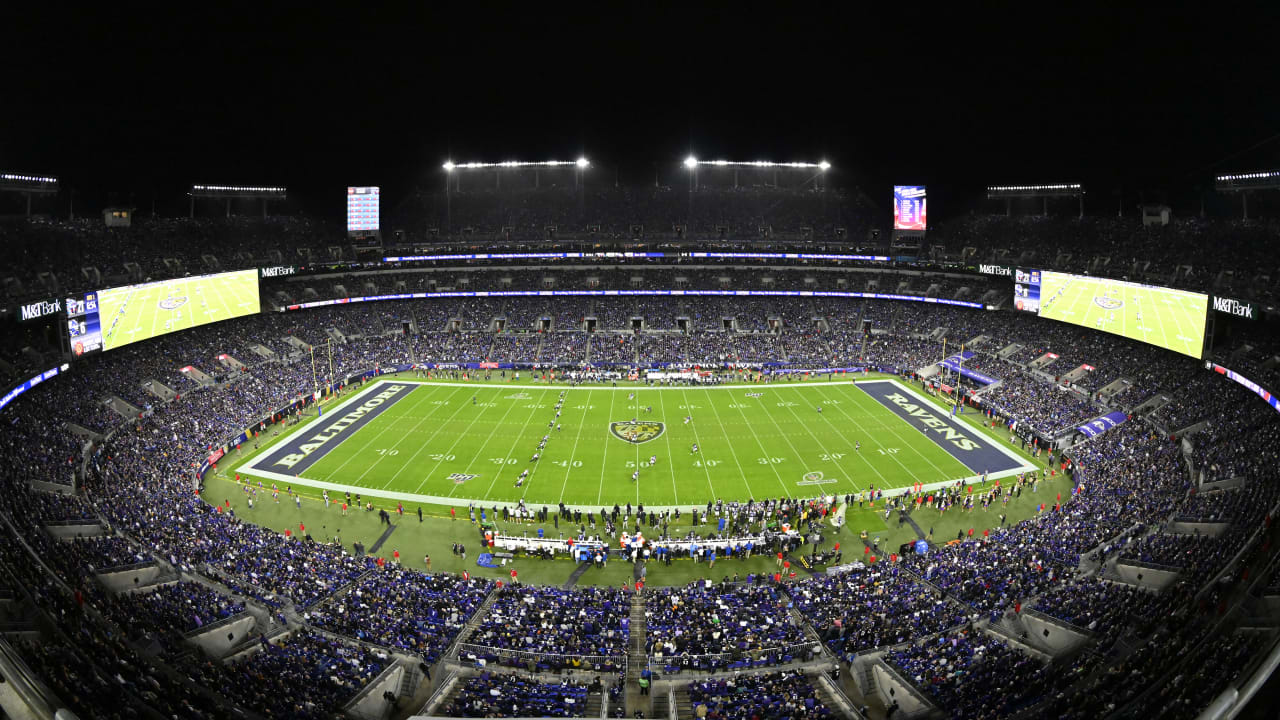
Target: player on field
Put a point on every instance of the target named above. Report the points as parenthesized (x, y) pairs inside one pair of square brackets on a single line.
[(688, 419), (694, 450), (635, 476), (653, 460)]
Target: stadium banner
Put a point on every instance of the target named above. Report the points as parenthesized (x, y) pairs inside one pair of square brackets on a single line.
[(277, 271), (1003, 270), (815, 371), (630, 293), (1236, 377), (955, 363), (607, 255), (1229, 306), (39, 309), (1096, 427), (30, 383)]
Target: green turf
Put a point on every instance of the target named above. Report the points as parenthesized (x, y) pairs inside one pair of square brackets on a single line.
[(1171, 319), (458, 443), (437, 532), (137, 312)]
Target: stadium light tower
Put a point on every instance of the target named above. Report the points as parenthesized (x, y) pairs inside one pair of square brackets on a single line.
[(1009, 192), (453, 170), (28, 185), (692, 163), (232, 192), (1244, 183)]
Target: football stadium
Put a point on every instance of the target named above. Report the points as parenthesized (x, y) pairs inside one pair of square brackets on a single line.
[(588, 408)]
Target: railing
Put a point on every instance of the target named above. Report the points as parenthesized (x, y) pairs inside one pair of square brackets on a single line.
[(717, 661), (470, 653), (31, 691)]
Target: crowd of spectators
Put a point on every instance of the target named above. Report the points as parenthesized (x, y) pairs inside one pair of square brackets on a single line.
[(403, 609), (873, 607), (553, 621), (785, 695), (704, 626), (139, 482), (975, 676), (496, 695)]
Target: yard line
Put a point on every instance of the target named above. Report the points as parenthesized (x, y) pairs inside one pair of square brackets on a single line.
[(671, 456), (635, 415), (535, 408), (604, 459), (574, 452), (821, 444), (374, 437), (883, 480), (758, 442), (452, 445), (895, 434), (393, 426), (425, 444)]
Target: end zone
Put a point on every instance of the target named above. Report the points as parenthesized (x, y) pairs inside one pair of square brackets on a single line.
[(975, 449)]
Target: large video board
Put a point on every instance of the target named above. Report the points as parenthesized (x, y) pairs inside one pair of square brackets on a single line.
[(362, 209), (909, 207), (1164, 317), (112, 318)]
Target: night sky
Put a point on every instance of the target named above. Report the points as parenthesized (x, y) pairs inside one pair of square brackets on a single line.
[(130, 100)]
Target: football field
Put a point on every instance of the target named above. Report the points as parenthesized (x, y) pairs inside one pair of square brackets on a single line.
[(1172, 319), (138, 312), (452, 443)]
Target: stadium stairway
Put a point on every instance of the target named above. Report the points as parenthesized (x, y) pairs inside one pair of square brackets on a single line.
[(663, 702), (637, 661), (684, 706), (473, 623)]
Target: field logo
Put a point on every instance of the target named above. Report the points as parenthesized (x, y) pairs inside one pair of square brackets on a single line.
[(519, 396), (755, 395), (637, 432), (1107, 303), (815, 477), (173, 303), (459, 478)]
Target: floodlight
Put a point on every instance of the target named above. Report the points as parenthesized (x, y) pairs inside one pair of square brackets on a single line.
[(582, 163), (824, 166), (449, 166), (691, 162)]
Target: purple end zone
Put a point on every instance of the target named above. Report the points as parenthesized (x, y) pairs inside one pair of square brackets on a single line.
[(302, 451), (956, 437)]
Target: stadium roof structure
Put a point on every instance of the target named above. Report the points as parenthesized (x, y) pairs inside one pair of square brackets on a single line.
[(692, 163), (237, 191), (1024, 191), (1241, 182), (28, 183), (450, 166)]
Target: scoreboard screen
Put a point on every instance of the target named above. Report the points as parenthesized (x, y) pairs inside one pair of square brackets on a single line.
[(1026, 290), (362, 209), (84, 325), (909, 207)]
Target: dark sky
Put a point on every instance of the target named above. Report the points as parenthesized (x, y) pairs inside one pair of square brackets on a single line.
[(316, 97)]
